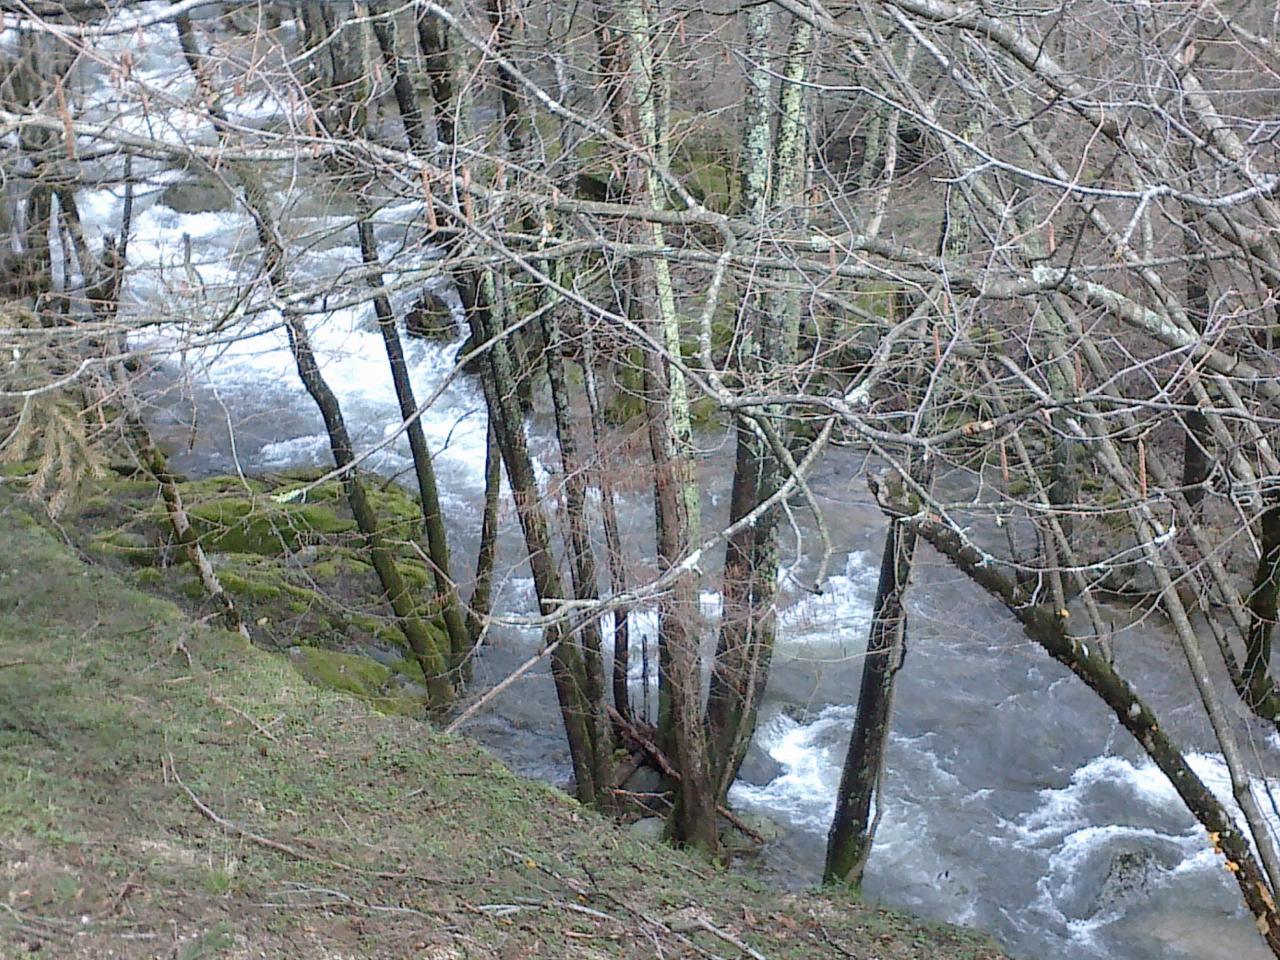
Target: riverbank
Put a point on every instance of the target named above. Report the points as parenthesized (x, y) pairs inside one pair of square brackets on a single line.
[(167, 789)]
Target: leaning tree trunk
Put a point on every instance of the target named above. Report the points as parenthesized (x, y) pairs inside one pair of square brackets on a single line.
[(852, 829), (428, 491), (507, 418), (1089, 662)]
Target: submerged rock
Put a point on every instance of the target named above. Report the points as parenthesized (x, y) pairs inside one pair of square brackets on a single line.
[(759, 769), (197, 194), (431, 318)]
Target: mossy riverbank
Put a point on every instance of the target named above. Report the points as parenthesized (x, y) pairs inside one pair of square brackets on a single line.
[(167, 789)]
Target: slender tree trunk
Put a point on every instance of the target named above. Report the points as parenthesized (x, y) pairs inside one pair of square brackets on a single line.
[(738, 620), (507, 419), (1197, 437), (428, 492), (482, 592), (612, 538), (772, 180), (433, 41), (676, 494), (1264, 599), (582, 561), (421, 640), (852, 829)]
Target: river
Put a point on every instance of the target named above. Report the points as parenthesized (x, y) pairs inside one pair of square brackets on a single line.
[(1013, 802)]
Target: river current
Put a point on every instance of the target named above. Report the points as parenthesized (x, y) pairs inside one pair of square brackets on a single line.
[(1013, 801)]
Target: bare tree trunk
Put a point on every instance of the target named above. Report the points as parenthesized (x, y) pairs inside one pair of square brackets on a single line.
[(612, 536), (428, 492), (740, 616), (421, 641), (773, 179), (676, 494), (482, 591), (507, 419), (852, 828), (582, 561), (1264, 599), (1197, 462)]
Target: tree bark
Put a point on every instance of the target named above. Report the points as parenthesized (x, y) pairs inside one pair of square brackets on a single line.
[(482, 591), (421, 641), (428, 491), (852, 829), (676, 494)]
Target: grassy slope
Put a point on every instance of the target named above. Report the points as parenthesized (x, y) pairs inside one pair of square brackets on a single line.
[(345, 833)]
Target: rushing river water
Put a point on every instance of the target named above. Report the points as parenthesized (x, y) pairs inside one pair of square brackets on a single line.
[(1013, 803)]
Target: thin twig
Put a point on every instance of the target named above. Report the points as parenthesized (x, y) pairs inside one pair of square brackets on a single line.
[(244, 716), (209, 813), (515, 675)]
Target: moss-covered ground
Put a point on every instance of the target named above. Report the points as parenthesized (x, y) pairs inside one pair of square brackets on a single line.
[(168, 790)]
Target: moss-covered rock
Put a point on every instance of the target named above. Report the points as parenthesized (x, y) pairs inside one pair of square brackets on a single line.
[(133, 548), (359, 676), (286, 550), (261, 525)]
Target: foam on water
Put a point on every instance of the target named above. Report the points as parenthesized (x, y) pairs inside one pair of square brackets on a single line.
[(840, 613), (811, 756), (1093, 850), (254, 369)]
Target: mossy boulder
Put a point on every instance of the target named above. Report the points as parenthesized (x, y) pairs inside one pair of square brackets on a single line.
[(261, 525), (431, 318), (133, 548), (285, 549), (357, 675)]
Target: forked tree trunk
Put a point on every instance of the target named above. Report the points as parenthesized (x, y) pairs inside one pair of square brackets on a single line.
[(676, 495), (507, 417), (749, 625)]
